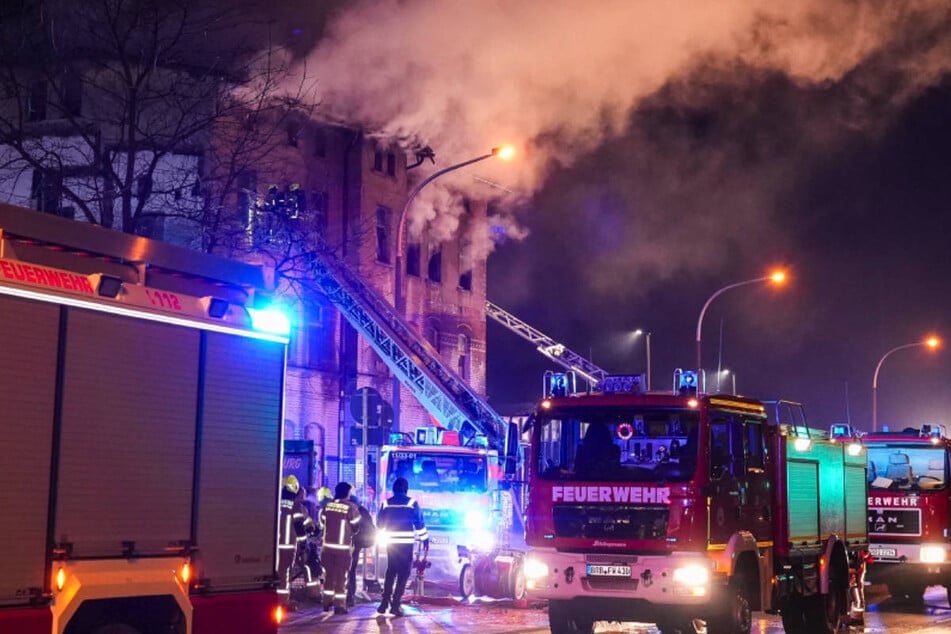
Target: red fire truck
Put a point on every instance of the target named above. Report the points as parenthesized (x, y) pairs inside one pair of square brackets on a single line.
[(909, 509), (676, 508), (142, 394), (467, 508)]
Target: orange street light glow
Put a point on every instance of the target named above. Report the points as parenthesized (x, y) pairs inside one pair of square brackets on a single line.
[(505, 152), (933, 342), (779, 277)]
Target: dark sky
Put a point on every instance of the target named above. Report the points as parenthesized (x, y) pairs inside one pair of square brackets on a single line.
[(668, 151)]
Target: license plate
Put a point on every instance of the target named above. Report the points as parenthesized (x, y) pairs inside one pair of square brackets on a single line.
[(608, 571), (883, 552), (438, 540)]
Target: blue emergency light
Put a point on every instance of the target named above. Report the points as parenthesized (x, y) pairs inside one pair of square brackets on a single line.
[(270, 320), (840, 430)]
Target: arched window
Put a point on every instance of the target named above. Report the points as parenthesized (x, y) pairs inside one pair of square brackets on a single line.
[(463, 349)]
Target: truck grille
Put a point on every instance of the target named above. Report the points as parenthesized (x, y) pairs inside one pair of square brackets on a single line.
[(610, 522)]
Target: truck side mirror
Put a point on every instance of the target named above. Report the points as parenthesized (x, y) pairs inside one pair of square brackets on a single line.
[(512, 447)]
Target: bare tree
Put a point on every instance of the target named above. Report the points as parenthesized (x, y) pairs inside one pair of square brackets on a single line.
[(148, 116)]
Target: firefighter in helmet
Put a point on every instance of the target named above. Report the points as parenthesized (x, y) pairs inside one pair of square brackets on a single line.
[(339, 521), (402, 520), (295, 527)]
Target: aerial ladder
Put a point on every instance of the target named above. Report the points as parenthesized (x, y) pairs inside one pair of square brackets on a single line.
[(555, 351), (414, 361)]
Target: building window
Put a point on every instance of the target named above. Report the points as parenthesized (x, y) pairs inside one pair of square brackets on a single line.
[(143, 186), (72, 92), (463, 345), (319, 140), (413, 256), (36, 103), (434, 267), (383, 235), (391, 164), (318, 209), (293, 129), (46, 192), (465, 265), (378, 161), (246, 183), (432, 336)]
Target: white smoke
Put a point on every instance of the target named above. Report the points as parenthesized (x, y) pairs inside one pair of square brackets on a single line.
[(558, 78)]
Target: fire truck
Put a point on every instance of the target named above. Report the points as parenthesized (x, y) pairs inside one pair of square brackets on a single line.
[(467, 507), (142, 387), (678, 507), (909, 509), (480, 439)]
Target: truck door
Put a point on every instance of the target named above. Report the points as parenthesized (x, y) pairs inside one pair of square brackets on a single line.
[(755, 509), (726, 467)]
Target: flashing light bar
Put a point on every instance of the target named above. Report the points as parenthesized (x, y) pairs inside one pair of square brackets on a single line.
[(622, 383), (270, 320), (933, 431), (840, 430)]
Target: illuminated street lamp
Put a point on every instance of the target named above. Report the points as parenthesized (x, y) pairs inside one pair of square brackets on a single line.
[(930, 342), (777, 277), (732, 376), (399, 301), (638, 333)]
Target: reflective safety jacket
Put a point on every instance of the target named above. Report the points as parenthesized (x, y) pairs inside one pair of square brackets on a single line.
[(402, 520), (339, 520), (296, 524)]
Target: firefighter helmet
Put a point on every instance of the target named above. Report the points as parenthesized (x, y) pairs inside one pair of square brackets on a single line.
[(291, 484), (324, 493)]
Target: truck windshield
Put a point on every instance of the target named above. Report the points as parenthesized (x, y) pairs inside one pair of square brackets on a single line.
[(432, 471), (907, 467), (618, 445)]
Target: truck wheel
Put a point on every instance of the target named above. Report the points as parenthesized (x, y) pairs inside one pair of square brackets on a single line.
[(794, 616), (824, 612), (737, 616), (518, 591), (467, 581), (948, 589), (563, 620)]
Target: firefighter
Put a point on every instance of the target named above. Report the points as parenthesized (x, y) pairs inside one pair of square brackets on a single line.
[(365, 538), (339, 521), (295, 527), (324, 495), (402, 520)]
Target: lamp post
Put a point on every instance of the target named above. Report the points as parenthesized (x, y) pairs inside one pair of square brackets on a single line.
[(931, 342), (399, 300), (638, 333), (777, 277)]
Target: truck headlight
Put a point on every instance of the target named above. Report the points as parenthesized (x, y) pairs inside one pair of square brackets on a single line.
[(691, 579), (933, 554), (382, 538), (535, 569)]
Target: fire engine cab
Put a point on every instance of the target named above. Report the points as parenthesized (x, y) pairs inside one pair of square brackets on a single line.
[(466, 505), (908, 509), (679, 507)]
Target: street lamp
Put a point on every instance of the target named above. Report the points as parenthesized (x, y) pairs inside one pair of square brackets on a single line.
[(638, 333), (930, 342), (777, 277), (732, 376), (399, 301)]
